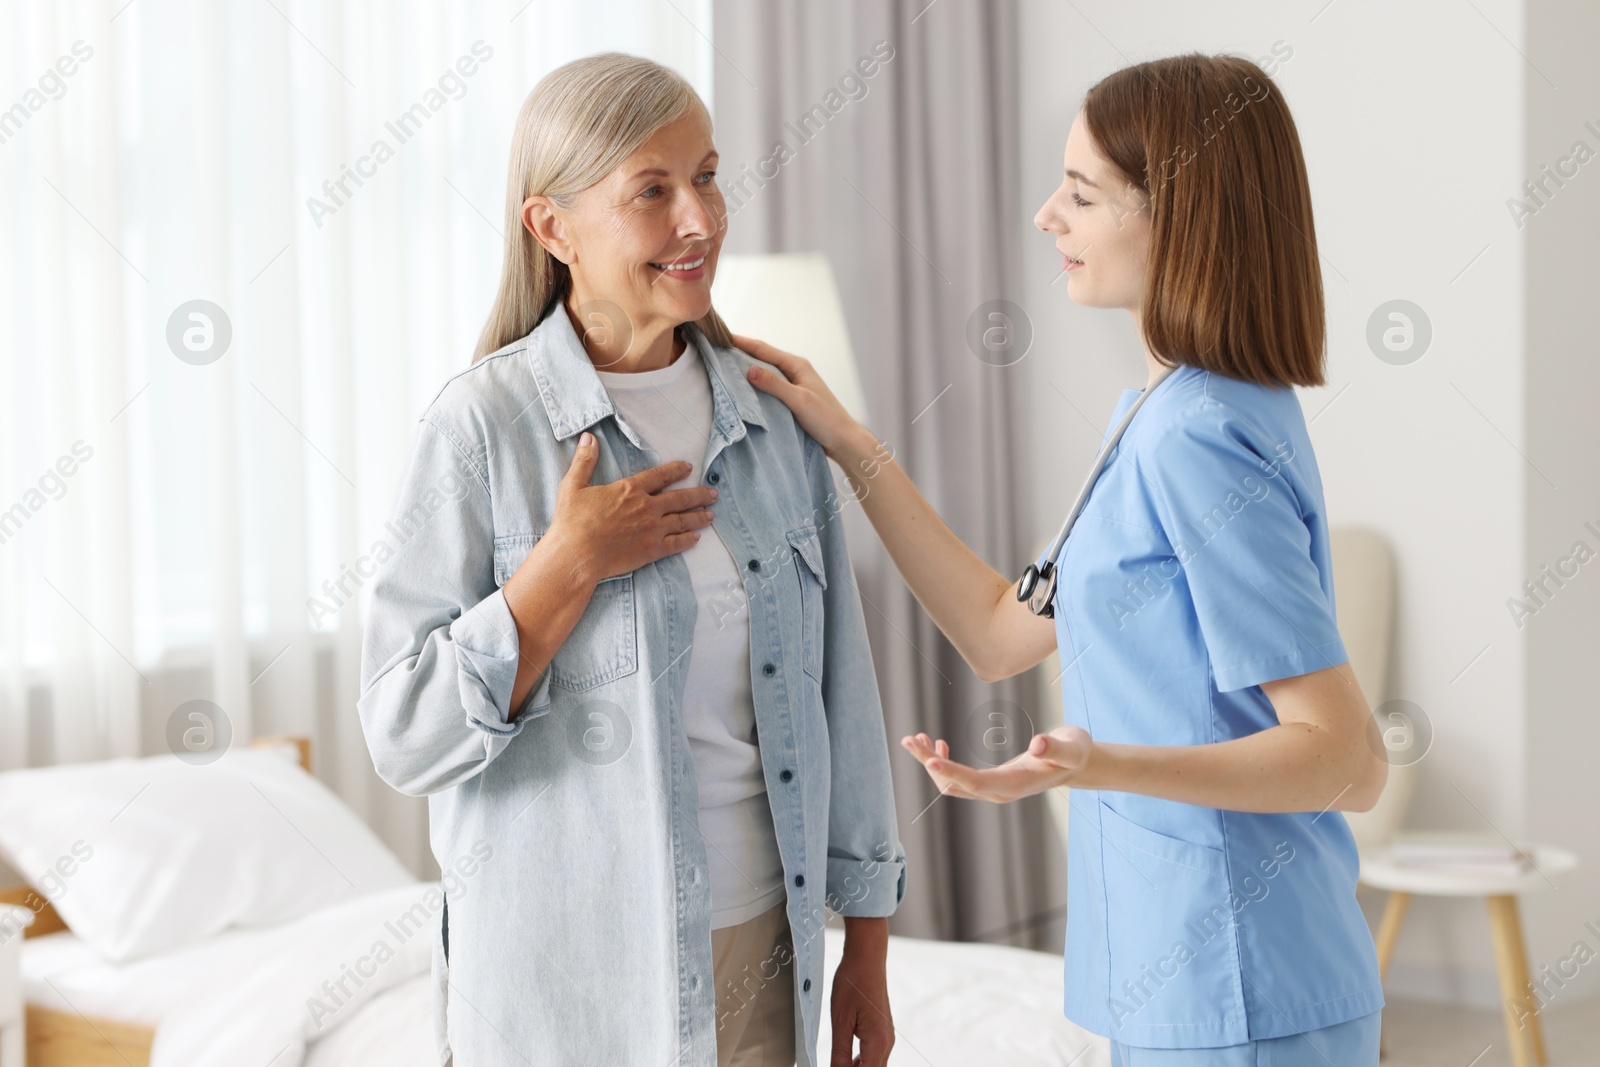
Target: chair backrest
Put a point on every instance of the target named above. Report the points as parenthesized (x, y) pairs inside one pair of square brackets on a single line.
[(1363, 592)]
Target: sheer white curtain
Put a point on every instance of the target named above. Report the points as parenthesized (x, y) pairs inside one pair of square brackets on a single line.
[(242, 245)]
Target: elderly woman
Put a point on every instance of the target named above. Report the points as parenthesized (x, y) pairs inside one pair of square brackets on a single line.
[(620, 647)]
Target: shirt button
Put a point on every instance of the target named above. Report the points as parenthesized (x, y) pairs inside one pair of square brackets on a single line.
[(694, 982), (714, 478), (799, 879), (806, 986), (755, 564), (784, 776), (769, 670)]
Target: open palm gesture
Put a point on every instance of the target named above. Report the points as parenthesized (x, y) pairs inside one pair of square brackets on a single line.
[(1051, 760)]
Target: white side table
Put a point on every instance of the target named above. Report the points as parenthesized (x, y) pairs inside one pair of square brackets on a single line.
[(1524, 1033), (13, 921)]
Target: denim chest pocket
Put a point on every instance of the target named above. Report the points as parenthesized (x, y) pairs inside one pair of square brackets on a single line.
[(603, 646), (813, 579)]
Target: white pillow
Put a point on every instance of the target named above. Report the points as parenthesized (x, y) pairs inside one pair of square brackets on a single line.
[(142, 855)]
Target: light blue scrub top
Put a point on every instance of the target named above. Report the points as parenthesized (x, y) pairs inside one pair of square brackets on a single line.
[(1198, 569)]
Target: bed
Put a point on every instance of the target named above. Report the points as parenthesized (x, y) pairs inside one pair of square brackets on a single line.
[(286, 993)]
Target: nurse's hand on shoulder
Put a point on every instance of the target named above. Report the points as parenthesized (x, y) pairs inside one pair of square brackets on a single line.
[(1051, 760), (797, 383)]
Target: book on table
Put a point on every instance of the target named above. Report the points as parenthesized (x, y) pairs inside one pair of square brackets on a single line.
[(1458, 857)]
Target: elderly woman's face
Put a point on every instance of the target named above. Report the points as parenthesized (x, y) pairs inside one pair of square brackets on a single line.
[(646, 236)]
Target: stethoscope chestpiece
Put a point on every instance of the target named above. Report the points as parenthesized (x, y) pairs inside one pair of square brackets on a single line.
[(1037, 589), (1037, 586)]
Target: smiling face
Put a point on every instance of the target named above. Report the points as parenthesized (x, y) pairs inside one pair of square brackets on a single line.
[(646, 236), (1101, 225)]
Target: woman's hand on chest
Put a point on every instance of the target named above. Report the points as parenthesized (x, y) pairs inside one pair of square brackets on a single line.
[(619, 527)]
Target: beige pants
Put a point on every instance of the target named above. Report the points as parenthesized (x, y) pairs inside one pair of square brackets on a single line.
[(753, 964)]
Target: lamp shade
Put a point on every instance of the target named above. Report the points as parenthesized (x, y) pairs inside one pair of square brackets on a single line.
[(790, 301)]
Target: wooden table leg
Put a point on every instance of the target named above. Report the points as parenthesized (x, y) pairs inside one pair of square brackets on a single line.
[(1524, 982), (1511, 962), (1389, 930), (1394, 913), (1511, 954)]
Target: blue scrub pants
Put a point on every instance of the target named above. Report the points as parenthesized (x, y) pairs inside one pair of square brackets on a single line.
[(1347, 1044)]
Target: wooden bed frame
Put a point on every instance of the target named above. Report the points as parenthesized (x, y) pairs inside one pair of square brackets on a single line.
[(72, 1039)]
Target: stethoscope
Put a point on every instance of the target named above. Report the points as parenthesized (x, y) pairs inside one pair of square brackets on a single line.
[(1037, 586)]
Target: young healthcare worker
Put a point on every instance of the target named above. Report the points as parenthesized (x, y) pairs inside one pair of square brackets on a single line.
[(1214, 730)]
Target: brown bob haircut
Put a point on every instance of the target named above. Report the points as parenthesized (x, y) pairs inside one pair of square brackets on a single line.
[(1232, 283)]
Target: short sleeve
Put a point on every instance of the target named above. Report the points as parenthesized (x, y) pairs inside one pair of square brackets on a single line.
[(1230, 504)]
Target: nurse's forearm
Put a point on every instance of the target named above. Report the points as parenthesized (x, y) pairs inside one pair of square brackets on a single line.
[(963, 595), (1286, 768)]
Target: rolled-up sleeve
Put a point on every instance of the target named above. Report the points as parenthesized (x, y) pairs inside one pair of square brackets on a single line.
[(439, 656), (866, 863)]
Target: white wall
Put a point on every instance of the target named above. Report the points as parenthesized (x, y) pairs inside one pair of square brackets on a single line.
[(1412, 120), (1563, 438)]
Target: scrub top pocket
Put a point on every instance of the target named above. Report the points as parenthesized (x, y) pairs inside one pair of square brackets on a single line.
[(1174, 953)]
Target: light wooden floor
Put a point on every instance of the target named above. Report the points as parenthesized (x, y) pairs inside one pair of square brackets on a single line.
[(1424, 1034)]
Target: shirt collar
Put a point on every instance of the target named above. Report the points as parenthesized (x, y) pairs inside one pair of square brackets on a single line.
[(575, 399)]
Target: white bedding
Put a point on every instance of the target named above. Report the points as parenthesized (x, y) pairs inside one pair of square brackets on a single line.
[(245, 996), (251, 995), (958, 1004), (394, 1029), (145, 856)]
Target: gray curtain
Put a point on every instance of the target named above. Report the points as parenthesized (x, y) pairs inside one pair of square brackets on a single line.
[(906, 178)]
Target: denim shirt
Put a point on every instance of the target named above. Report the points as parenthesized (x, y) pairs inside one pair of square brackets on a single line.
[(578, 908)]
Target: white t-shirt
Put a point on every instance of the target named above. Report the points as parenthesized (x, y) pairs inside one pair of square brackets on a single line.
[(670, 410)]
